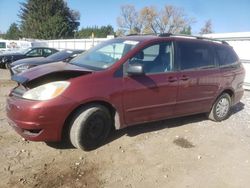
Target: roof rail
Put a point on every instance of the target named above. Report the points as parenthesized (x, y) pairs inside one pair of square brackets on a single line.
[(192, 36), (134, 34), (138, 34), (165, 34)]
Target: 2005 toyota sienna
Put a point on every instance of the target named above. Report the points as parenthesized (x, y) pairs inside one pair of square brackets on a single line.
[(123, 82)]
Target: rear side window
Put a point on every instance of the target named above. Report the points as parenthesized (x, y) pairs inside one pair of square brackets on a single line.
[(193, 55), (47, 52), (226, 56), (35, 52)]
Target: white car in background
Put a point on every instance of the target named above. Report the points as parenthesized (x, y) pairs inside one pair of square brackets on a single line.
[(246, 64)]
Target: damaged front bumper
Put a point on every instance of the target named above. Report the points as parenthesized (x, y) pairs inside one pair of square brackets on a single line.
[(36, 120)]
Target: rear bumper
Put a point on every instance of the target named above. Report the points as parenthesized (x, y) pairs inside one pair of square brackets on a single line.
[(246, 85), (36, 120), (237, 96)]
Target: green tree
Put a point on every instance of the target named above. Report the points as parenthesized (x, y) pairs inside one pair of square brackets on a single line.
[(13, 32), (48, 19), (106, 30), (2, 35), (186, 30), (99, 32)]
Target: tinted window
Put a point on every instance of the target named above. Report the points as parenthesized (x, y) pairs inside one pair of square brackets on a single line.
[(226, 55), (47, 52), (194, 55), (59, 56), (35, 52), (156, 58), (63, 55)]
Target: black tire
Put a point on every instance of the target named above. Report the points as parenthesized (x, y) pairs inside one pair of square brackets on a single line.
[(90, 127), (224, 102), (6, 66)]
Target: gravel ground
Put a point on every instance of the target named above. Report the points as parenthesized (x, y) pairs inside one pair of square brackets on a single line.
[(183, 152)]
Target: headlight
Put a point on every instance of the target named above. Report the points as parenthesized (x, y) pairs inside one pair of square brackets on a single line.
[(46, 91), (20, 68), (4, 59)]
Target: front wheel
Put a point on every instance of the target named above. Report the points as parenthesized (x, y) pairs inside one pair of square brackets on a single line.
[(221, 108), (90, 127), (7, 65)]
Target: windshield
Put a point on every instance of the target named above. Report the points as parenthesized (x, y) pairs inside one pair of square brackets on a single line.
[(24, 51), (62, 55), (105, 54)]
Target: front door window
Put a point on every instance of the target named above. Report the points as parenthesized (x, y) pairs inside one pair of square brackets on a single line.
[(155, 59)]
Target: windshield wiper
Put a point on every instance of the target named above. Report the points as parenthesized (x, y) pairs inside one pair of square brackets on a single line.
[(87, 67)]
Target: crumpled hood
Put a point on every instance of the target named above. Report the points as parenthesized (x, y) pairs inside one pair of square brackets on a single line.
[(60, 70)]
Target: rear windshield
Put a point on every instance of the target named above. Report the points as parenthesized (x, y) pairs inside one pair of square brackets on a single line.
[(59, 56)]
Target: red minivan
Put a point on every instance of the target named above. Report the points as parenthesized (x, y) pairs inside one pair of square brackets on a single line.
[(123, 82)]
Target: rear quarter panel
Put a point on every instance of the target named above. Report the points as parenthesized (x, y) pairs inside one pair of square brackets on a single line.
[(246, 65), (233, 79)]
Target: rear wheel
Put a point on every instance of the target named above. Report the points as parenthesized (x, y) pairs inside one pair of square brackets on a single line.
[(221, 108), (90, 126)]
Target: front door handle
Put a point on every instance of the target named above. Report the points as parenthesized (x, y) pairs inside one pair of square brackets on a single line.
[(172, 79), (184, 78)]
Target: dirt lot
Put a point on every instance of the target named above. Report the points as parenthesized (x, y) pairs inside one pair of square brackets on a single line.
[(184, 152)]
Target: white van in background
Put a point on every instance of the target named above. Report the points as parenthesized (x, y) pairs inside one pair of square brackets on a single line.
[(13, 45), (16, 45)]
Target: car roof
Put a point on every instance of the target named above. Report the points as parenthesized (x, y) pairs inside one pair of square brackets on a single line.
[(73, 50), (139, 38), (178, 37), (44, 47)]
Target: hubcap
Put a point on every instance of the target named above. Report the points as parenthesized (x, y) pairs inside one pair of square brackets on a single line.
[(96, 127), (222, 107)]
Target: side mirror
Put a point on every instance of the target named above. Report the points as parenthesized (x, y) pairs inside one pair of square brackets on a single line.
[(67, 60), (135, 69)]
